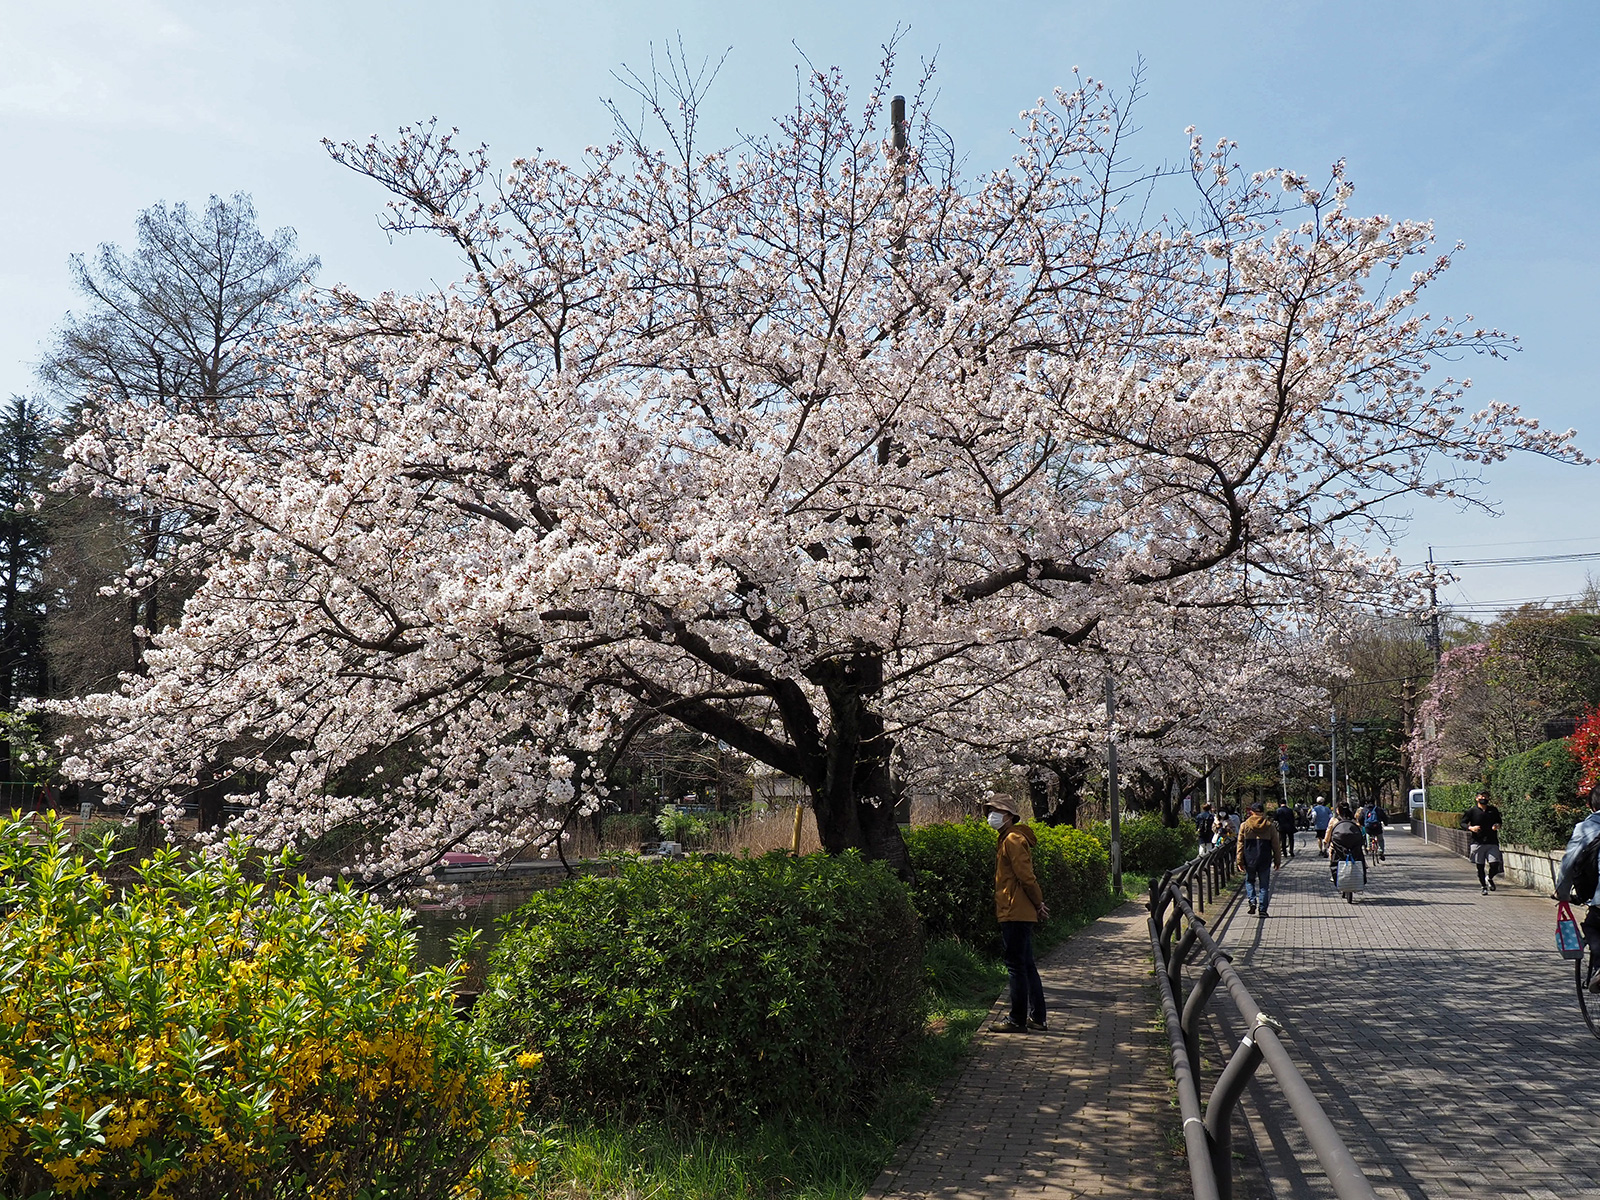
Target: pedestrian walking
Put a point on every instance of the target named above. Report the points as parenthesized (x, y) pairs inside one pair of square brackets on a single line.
[(1482, 823), (1205, 824), (1578, 881), (1321, 815), (1019, 906), (1284, 816), (1260, 850)]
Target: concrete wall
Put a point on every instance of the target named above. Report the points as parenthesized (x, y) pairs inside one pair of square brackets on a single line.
[(1535, 869)]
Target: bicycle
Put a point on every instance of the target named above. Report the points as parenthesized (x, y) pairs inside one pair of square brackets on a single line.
[(1374, 845), (1580, 979)]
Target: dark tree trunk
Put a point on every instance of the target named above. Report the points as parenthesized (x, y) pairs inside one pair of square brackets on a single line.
[(1171, 802), (1039, 795), (1069, 787), (855, 798)]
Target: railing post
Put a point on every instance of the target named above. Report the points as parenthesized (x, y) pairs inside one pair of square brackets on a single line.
[(1234, 1079), (1175, 960), (1193, 1009)]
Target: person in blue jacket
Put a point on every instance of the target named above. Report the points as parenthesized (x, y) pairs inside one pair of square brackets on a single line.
[(1584, 834)]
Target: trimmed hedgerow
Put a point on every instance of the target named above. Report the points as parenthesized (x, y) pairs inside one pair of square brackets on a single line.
[(718, 990), (1537, 792), (1451, 797), (954, 866)]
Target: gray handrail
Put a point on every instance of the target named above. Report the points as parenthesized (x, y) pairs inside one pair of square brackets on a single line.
[(1207, 1129)]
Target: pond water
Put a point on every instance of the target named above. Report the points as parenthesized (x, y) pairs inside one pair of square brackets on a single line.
[(436, 925)]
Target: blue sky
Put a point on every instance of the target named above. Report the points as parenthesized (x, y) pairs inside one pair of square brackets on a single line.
[(1484, 117)]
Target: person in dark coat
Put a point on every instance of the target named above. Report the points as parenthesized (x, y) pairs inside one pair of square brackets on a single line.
[(1284, 816), (1482, 823)]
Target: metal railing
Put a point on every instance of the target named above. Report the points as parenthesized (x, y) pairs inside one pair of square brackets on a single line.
[(1175, 931)]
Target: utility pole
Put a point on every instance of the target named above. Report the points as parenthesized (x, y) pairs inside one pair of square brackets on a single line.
[(1431, 636), (1111, 776), (897, 118)]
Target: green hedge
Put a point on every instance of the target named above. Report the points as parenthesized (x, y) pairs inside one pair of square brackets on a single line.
[(1148, 846), (954, 886), (1451, 797), (719, 990), (1537, 794)]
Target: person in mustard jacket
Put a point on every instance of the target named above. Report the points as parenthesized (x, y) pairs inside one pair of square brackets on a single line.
[(1019, 905), (1260, 851)]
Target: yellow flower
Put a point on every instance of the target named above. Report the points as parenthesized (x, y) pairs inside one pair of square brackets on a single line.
[(529, 1059)]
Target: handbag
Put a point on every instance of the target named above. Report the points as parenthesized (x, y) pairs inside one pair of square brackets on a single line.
[(1350, 877), (1568, 940)]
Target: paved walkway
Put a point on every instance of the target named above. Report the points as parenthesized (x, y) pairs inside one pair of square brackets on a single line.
[(1438, 1026), (1084, 1110)]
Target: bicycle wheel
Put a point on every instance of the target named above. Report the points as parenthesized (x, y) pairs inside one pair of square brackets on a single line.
[(1583, 995)]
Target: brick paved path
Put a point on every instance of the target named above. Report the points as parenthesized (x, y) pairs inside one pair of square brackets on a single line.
[(1085, 1110), (1437, 1025)]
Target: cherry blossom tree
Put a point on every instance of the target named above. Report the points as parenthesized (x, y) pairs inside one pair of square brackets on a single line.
[(835, 458)]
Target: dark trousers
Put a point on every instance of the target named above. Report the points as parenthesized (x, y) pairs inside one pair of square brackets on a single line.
[(1027, 992), (1591, 931), (1494, 869)]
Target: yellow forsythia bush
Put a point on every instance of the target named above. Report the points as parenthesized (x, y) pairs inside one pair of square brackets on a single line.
[(195, 1033)]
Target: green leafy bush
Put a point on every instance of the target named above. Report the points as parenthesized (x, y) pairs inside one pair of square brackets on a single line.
[(954, 867), (1149, 847), (953, 884), (1074, 870), (1451, 797), (720, 990), (1537, 793), (198, 1034), (676, 825)]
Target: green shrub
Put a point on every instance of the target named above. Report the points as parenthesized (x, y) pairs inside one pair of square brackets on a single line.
[(953, 879), (198, 1034), (1451, 797), (719, 990), (953, 890), (1149, 847), (121, 835), (1074, 870), (676, 825), (1537, 792)]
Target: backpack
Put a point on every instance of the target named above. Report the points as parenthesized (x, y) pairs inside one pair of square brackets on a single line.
[(1255, 851), (1345, 835), (1374, 817)]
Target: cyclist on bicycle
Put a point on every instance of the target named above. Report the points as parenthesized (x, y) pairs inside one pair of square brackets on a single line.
[(1345, 841), (1579, 860), (1372, 825)]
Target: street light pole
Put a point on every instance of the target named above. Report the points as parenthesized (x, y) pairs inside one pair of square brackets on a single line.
[(1333, 756)]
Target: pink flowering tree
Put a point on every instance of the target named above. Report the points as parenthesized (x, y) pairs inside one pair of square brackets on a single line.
[(837, 458)]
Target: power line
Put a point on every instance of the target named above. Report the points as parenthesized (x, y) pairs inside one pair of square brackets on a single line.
[(1517, 560), (1526, 542)]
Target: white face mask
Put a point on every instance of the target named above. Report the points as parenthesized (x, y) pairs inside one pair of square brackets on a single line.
[(997, 820)]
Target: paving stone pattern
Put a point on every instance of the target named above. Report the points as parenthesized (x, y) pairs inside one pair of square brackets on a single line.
[(1084, 1110), (1437, 1025)]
